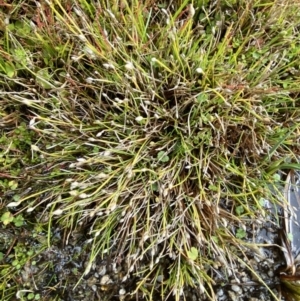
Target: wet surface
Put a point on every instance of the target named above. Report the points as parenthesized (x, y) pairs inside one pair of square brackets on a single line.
[(56, 272), (6, 239), (292, 194)]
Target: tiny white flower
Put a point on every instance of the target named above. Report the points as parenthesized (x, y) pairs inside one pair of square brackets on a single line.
[(89, 80), (153, 60), (35, 148), (75, 58), (30, 209), (129, 66), (111, 14), (82, 38), (57, 212), (101, 175), (32, 25), (13, 204), (107, 153), (164, 11), (113, 207), (139, 118), (109, 66), (118, 100), (199, 70), (191, 10), (32, 122), (74, 185), (78, 12), (88, 268), (83, 196), (89, 51), (73, 192)]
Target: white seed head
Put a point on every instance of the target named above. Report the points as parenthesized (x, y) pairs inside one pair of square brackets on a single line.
[(13, 204), (165, 11), (109, 66), (139, 118), (191, 10), (199, 70), (82, 38), (32, 25), (111, 14), (83, 196), (75, 58), (73, 192), (129, 66), (107, 153), (35, 148), (89, 80), (78, 12), (101, 175), (57, 212)]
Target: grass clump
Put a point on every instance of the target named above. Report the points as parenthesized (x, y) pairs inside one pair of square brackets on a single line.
[(156, 128)]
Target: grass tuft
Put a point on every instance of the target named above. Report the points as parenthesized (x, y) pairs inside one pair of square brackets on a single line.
[(155, 128)]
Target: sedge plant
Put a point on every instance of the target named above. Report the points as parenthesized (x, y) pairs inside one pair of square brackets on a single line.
[(157, 128)]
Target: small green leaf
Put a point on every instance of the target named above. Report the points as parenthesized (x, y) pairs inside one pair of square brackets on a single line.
[(215, 239), (240, 233), (162, 156), (16, 197), (213, 187), (19, 220), (154, 187), (15, 262), (276, 177), (13, 185), (239, 210), (7, 218), (10, 69), (193, 253), (43, 78), (290, 236)]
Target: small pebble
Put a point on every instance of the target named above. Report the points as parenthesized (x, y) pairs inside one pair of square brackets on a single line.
[(105, 280), (220, 293), (236, 289)]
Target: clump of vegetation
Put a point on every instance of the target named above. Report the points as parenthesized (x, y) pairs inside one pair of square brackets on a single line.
[(155, 127)]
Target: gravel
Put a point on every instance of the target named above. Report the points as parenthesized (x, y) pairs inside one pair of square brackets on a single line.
[(57, 271)]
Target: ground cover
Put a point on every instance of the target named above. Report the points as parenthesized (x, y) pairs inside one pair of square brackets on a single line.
[(149, 136)]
